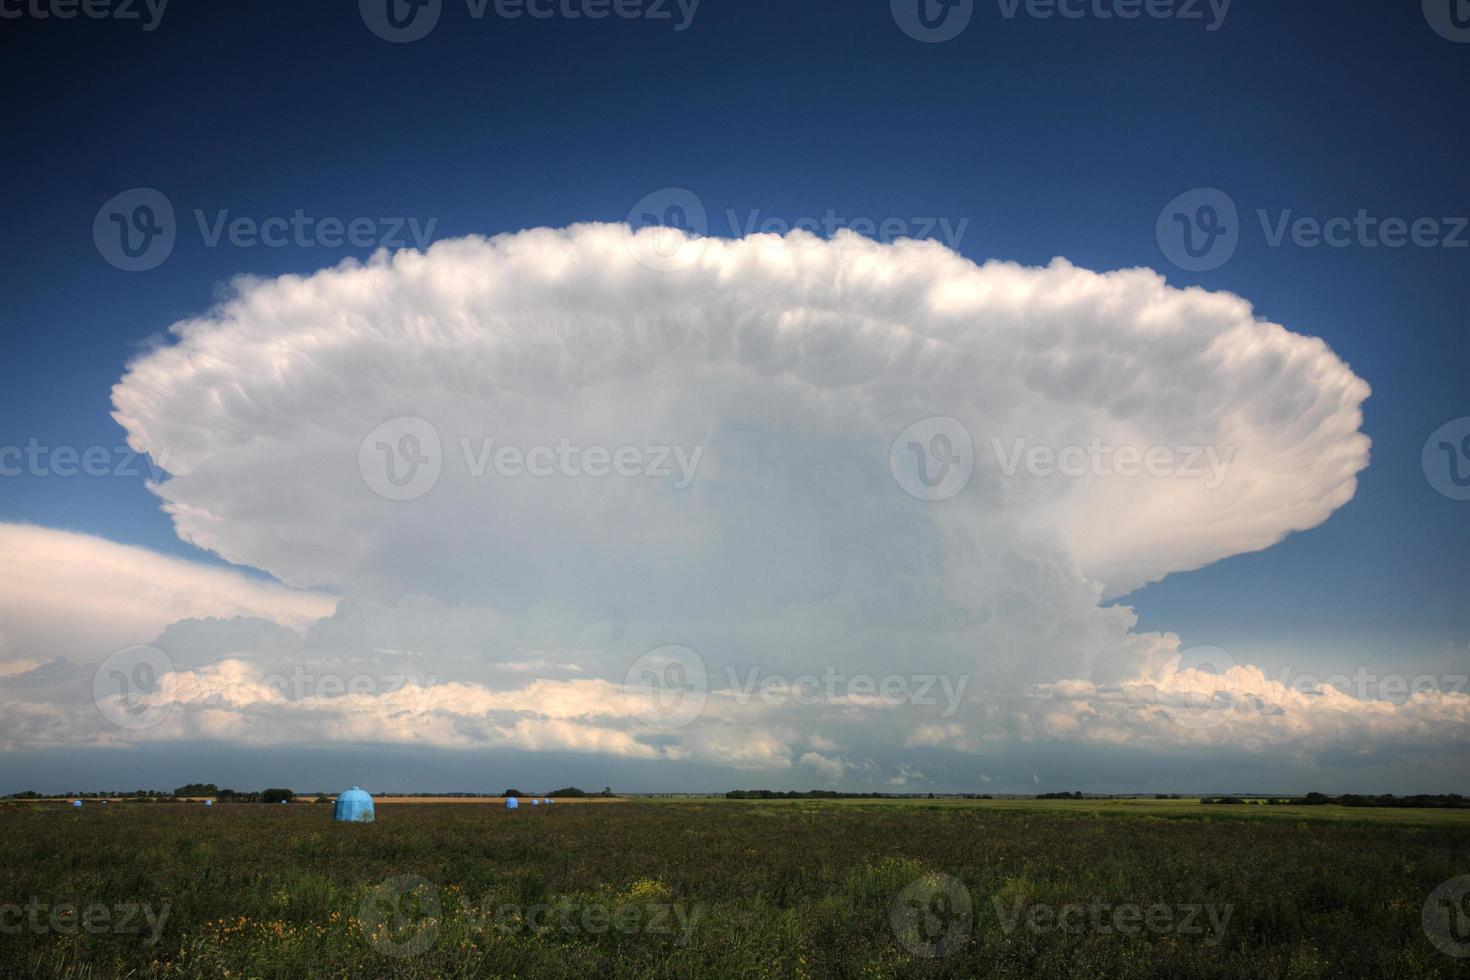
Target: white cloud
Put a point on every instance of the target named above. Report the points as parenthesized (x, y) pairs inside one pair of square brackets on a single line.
[(792, 361), (790, 364), (830, 768), (1245, 709), (83, 597)]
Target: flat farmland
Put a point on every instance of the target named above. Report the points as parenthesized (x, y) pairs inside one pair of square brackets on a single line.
[(704, 888)]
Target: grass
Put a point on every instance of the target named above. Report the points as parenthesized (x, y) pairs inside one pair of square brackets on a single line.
[(1185, 808), (732, 888)]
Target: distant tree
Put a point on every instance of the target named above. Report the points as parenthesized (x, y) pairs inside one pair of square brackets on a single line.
[(606, 791), (570, 792), (512, 792), (197, 789), (277, 795)]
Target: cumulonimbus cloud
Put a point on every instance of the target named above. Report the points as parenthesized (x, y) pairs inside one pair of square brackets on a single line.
[(774, 373), (792, 361)]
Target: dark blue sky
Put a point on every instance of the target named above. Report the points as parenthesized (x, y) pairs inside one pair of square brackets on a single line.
[(1050, 137)]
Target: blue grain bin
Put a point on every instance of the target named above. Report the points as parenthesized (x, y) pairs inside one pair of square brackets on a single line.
[(549, 801), (512, 804), (354, 806), (209, 802), (535, 802), (76, 802)]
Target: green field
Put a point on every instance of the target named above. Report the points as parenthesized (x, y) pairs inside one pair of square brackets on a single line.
[(1003, 888)]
